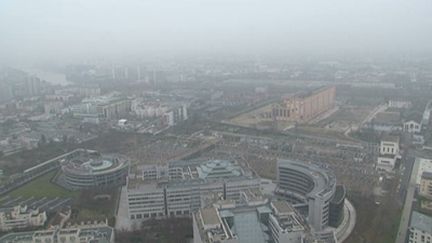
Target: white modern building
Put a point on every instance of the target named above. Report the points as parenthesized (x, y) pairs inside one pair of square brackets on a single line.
[(170, 113), (420, 228), (106, 107), (176, 115), (389, 154), (179, 188), (401, 104)]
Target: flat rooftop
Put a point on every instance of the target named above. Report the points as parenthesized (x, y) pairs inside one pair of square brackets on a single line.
[(188, 173), (210, 216), (426, 175), (421, 222), (282, 207), (390, 138)]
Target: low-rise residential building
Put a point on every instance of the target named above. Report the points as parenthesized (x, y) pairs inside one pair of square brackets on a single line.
[(98, 233), (169, 113), (420, 228), (386, 122), (412, 126), (426, 185), (389, 153), (401, 104), (425, 165), (20, 217), (425, 190)]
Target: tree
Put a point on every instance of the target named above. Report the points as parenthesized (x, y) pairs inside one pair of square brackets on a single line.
[(65, 138), (42, 141)]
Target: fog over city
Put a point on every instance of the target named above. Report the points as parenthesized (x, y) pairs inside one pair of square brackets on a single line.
[(58, 30), (216, 121)]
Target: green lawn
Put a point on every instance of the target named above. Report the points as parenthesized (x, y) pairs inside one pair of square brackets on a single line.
[(42, 187)]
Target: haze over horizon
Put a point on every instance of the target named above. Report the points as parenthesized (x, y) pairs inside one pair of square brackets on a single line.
[(61, 30)]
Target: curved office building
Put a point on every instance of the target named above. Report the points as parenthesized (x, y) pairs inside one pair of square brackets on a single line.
[(336, 206), (90, 169), (311, 184)]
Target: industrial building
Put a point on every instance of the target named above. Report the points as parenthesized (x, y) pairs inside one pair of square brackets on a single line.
[(179, 188), (90, 169)]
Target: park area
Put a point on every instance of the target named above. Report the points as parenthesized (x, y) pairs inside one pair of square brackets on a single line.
[(43, 187), (42, 193)]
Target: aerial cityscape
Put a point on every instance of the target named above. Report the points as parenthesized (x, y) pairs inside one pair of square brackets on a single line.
[(214, 121)]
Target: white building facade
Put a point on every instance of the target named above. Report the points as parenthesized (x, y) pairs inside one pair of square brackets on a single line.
[(20, 217), (389, 154), (179, 190)]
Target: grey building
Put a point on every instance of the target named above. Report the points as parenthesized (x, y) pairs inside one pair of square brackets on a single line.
[(180, 187), (309, 184), (90, 169)]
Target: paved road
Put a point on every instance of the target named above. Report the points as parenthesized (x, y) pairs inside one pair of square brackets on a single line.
[(406, 213), (347, 226), (122, 220), (373, 113), (406, 169)]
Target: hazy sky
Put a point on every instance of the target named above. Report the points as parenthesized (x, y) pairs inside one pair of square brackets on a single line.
[(57, 29)]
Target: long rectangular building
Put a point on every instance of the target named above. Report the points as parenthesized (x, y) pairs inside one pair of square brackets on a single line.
[(275, 221), (302, 107), (179, 188)]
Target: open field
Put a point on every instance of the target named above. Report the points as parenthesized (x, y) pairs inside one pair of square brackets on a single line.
[(88, 207), (375, 223), (345, 117), (251, 118), (42, 187), (321, 132)]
